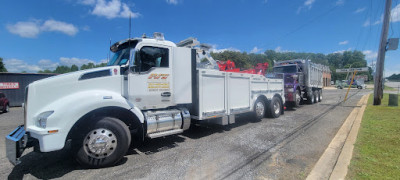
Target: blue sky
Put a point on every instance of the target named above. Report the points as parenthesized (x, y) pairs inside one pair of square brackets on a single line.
[(38, 35)]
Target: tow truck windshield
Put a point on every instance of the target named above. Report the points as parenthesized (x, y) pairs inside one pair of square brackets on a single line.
[(286, 69), (120, 57)]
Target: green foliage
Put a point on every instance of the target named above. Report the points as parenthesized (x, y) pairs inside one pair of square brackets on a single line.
[(333, 60), (394, 77), (74, 68), (242, 60), (66, 69), (2, 66)]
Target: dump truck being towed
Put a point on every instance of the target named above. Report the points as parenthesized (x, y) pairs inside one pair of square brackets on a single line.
[(150, 88), (303, 81)]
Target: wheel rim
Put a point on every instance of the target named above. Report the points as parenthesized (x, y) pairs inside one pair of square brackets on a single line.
[(320, 96), (277, 107), (313, 98), (317, 98), (7, 108), (100, 143), (260, 109), (297, 99)]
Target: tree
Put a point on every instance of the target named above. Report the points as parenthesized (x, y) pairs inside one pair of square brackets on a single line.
[(241, 60), (2, 66), (62, 69), (74, 68)]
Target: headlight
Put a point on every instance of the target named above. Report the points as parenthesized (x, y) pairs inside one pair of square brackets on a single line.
[(42, 119)]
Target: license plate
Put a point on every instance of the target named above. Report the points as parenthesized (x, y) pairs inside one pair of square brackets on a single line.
[(15, 144)]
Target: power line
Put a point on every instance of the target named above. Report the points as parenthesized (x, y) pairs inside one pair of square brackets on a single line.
[(304, 25)]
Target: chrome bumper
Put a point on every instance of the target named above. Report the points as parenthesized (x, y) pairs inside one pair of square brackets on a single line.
[(16, 142)]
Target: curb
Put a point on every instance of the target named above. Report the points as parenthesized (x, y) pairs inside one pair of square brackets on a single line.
[(334, 162)]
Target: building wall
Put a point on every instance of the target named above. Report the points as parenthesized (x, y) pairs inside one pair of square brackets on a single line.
[(16, 96)]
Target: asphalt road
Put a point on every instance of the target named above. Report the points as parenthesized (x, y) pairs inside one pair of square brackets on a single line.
[(282, 148)]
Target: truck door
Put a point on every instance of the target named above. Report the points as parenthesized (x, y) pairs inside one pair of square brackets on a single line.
[(150, 78)]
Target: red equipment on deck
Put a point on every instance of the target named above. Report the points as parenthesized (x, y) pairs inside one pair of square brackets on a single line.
[(229, 66)]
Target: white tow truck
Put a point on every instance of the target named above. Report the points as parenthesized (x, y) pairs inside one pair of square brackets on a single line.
[(150, 88)]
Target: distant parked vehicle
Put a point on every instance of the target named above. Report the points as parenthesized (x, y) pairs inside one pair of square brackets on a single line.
[(4, 103), (345, 84)]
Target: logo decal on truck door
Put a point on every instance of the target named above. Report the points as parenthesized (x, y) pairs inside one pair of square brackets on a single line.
[(158, 82)]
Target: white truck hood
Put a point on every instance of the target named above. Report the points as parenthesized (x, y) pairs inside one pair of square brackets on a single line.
[(43, 93)]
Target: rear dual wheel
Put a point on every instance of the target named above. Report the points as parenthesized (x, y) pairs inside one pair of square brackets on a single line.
[(259, 110), (311, 97), (274, 108)]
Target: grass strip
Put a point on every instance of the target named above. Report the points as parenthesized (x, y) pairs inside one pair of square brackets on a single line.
[(376, 153)]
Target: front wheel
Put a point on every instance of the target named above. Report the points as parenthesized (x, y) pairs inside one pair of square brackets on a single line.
[(105, 143), (7, 109), (298, 99)]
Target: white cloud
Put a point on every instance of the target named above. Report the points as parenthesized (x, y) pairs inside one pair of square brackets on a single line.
[(16, 65), (306, 5), (226, 49), (47, 64), (279, 49), (394, 17), (370, 55), (110, 9), (368, 22), (344, 42), (339, 2), (215, 50), (174, 2), (360, 10), (395, 14), (77, 61), (309, 3), (28, 29), (31, 29), (342, 51), (53, 25), (255, 50)]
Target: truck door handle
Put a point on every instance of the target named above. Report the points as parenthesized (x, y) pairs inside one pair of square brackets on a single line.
[(166, 94)]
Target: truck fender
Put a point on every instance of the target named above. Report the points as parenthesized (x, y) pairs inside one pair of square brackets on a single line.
[(69, 109), (259, 96)]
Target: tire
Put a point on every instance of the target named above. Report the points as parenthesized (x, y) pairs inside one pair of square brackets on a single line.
[(320, 95), (298, 99), (316, 95), (112, 142), (6, 109), (311, 98), (258, 110), (275, 108)]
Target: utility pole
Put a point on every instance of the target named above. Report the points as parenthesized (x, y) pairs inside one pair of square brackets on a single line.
[(380, 62)]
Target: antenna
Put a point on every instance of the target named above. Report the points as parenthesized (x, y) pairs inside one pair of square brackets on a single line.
[(108, 55), (129, 26)]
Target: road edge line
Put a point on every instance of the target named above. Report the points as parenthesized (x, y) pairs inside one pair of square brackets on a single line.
[(329, 160)]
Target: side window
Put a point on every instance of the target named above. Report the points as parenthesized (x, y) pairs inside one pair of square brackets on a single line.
[(153, 57), (1, 95)]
